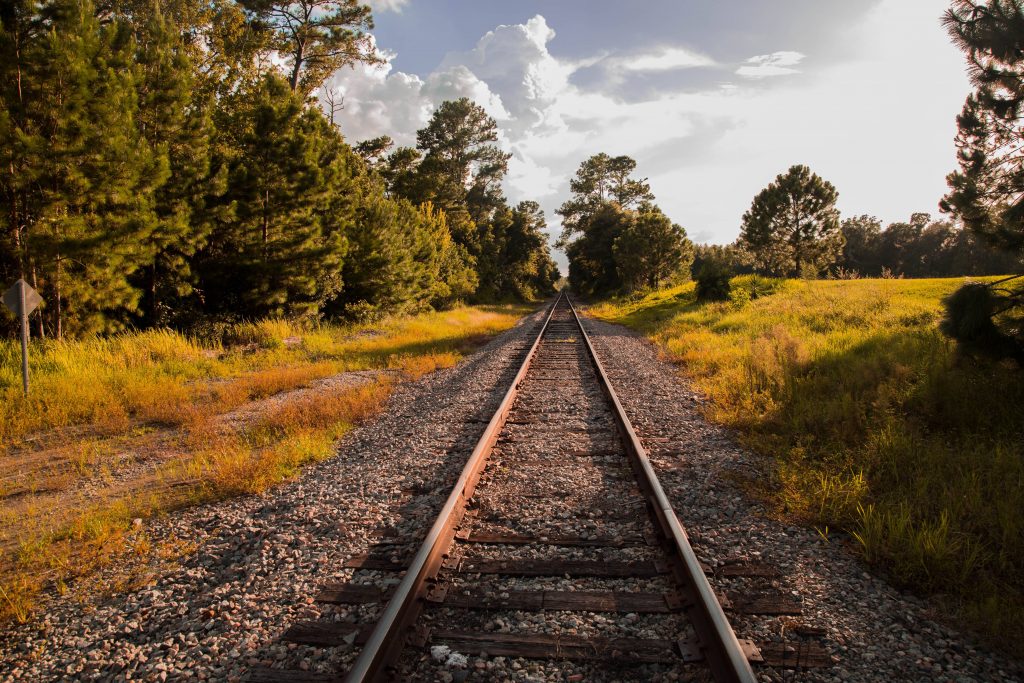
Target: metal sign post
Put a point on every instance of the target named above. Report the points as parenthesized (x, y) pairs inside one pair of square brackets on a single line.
[(22, 299)]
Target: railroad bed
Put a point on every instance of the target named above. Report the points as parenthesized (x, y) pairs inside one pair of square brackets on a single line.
[(556, 543)]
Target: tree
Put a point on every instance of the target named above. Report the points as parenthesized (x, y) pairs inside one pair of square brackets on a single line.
[(594, 217), (279, 251), (373, 151), (515, 262), (987, 193), (462, 167), (651, 250), (600, 179), (82, 177), (862, 236), (316, 37), (177, 125), (792, 226), (592, 267)]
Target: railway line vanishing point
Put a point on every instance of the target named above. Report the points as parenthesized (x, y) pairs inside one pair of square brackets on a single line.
[(557, 520)]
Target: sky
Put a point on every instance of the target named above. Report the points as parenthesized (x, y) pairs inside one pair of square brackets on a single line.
[(712, 99)]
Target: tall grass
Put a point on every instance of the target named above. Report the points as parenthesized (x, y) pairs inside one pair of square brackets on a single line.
[(108, 382), (872, 422), (114, 389)]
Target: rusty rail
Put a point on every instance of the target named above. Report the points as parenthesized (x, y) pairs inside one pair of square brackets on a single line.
[(717, 641), (393, 628)]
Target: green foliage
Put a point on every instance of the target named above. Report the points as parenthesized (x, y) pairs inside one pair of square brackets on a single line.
[(462, 167), (792, 226), (80, 199), (919, 247), (499, 252), (713, 280), (985, 192), (280, 250), (612, 246), (651, 250), (316, 37), (165, 165)]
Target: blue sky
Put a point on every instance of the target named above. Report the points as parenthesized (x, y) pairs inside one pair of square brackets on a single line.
[(712, 99)]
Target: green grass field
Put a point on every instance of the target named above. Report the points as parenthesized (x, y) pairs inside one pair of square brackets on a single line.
[(872, 424)]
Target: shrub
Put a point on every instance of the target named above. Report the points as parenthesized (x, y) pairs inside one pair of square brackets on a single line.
[(713, 281)]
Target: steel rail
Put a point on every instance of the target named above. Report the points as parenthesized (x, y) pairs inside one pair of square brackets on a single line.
[(389, 634), (718, 641)]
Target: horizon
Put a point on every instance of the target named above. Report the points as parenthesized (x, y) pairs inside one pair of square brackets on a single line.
[(712, 103)]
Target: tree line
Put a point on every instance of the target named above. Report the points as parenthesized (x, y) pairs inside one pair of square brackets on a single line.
[(793, 229), (167, 164)]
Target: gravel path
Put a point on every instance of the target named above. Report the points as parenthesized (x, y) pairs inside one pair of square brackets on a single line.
[(221, 610)]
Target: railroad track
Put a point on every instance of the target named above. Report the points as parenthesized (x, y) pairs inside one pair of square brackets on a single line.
[(556, 543)]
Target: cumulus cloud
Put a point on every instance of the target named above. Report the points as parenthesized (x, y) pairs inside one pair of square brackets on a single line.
[(381, 101), (775, 64), (515, 63), (707, 150)]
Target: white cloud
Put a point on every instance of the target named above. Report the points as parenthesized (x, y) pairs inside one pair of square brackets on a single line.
[(884, 140), (667, 59), (387, 5), (775, 64), (515, 63), (457, 82)]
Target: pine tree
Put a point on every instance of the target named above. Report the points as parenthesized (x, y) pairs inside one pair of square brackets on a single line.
[(462, 167), (792, 226), (595, 216), (87, 176), (317, 37), (20, 137), (600, 179), (280, 250), (178, 127), (987, 193), (651, 250)]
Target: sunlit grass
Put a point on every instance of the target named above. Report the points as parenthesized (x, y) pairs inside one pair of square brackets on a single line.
[(873, 422), (156, 375), (127, 386)]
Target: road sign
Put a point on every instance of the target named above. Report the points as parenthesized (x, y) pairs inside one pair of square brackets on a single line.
[(22, 299), (12, 298)]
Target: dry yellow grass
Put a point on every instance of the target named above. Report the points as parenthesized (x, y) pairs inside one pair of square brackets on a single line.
[(163, 394)]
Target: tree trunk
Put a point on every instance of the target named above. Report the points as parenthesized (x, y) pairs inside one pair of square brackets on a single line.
[(266, 220), (35, 286), (57, 302), (296, 68), (152, 286)]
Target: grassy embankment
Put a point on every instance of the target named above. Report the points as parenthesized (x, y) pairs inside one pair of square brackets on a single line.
[(130, 426), (872, 422)]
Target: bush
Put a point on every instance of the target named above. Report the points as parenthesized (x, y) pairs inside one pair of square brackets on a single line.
[(713, 281), (982, 318)]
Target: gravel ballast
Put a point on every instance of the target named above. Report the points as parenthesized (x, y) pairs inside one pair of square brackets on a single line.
[(221, 610)]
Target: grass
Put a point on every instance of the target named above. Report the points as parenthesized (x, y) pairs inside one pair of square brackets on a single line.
[(165, 395), (872, 423)]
